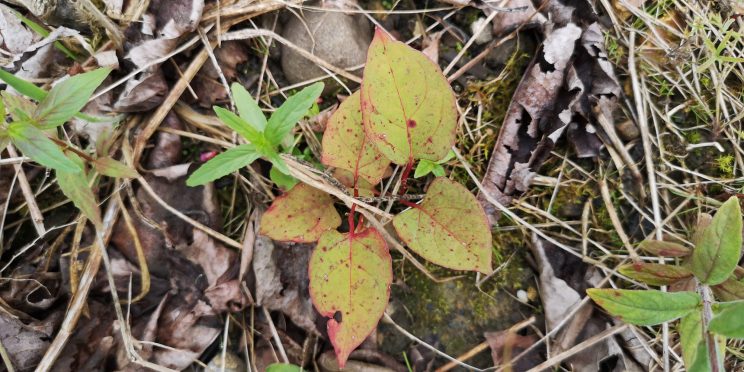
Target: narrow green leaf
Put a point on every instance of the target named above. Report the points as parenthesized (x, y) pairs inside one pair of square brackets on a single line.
[(730, 290), (43, 32), (17, 106), (68, 97), (112, 168), (24, 87), (438, 170), (75, 186), (239, 125), (294, 108), (34, 143), (694, 350), (664, 249), (655, 274), (423, 168), (248, 108), (277, 162), (730, 321), (300, 215), (716, 255), (408, 106), (350, 277), (645, 307), (223, 164), (283, 367), (449, 228), (284, 181)]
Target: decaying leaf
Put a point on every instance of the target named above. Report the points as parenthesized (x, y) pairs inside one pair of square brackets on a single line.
[(449, 228), (655, 274), (567, 81), (345, 145), (419, 121), (350, 277), (24, 344), (301, 215), (664, 249)]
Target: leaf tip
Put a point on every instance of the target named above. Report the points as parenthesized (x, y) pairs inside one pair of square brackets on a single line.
[(342, 352)]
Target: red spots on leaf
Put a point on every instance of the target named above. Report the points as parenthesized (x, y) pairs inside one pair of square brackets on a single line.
[(411, 123)]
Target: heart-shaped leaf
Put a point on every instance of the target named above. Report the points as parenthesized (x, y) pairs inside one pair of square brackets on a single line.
[(301, 215), (655, 274), (345, 145), (350, 278), (449, 228), (645, 307), (716, 254), (408, 106)]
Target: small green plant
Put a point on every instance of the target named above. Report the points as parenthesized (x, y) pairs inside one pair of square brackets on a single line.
[(708, 316), (405, 111), (425, 166), (265, 137), (33, 130)]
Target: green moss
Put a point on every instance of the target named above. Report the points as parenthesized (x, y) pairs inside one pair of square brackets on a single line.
[(726, 165)]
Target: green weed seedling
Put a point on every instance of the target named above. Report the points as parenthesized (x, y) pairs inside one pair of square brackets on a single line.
[(710, 315), (404, 112), (33, 130)]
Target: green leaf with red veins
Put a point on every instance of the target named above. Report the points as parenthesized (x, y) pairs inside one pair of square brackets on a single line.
[(350, 278), (655, 274), (409, 108), (449, 228), (345, 145), (364, 188), (301, 215)]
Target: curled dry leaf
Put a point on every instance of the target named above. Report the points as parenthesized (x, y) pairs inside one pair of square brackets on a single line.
[(350, 277), (301, 215), (420, 119), (449, 228), (345, 145)]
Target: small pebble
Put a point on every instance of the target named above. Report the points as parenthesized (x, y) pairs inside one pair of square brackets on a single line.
[(522, 296)]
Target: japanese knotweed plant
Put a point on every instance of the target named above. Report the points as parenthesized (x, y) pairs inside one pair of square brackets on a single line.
[(708, 291), (32, 128), (405, 111)]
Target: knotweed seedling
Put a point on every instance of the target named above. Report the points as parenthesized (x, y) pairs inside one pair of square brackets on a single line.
[(33, 130), (709, 315), (405, 111)]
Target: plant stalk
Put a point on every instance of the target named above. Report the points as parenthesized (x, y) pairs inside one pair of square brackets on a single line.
[(710, 339)]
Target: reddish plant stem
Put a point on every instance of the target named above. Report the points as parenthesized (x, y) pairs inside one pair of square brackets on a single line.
[(404, 177)]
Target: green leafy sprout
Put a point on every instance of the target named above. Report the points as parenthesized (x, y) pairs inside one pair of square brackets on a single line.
[(705, 323), (264, 137)]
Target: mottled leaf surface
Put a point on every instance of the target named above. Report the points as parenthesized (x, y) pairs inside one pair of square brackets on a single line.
[(730, 290), (345, 145), (655, 274), (350, 277), (34, 143), (664, 249), (716, 254), (449, 228), (408, 106), (301, 215), (645, 307), (75, 186)]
